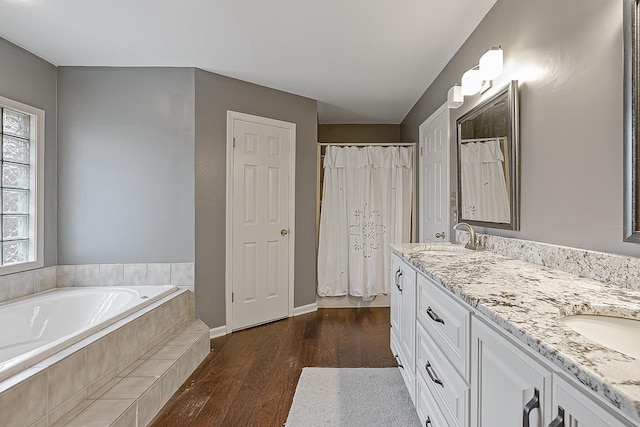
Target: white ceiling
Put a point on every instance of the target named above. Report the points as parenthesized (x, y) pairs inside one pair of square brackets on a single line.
[(365, 61)]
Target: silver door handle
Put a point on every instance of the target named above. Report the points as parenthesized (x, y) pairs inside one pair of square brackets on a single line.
[(440, 235), (284, 232)]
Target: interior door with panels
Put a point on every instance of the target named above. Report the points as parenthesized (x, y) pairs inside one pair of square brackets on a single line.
[(434, 177), (260, 230)]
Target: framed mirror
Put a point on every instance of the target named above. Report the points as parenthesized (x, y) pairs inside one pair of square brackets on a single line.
[(488, 162), (631, 120)]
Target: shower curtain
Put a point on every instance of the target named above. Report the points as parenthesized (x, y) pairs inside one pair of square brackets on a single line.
[(366, 205), (484, 189)]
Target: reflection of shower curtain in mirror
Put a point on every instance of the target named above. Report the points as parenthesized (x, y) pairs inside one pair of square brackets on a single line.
[(366, 205), (484, 190)]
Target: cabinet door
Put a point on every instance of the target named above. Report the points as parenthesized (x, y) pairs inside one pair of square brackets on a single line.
[(504, 381), (395, 294), (408, 314), (578, 409)]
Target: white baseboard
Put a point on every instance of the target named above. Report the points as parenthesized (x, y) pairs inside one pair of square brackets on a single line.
[(347, 301), (304, 309), (218, 332)]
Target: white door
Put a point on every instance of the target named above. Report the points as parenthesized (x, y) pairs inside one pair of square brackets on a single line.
[(260, 221), (434, 177)]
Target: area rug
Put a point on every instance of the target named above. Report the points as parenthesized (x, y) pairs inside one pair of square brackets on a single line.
[(351, 397)]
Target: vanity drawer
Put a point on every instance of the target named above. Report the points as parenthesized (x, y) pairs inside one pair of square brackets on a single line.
[(428, 412), (407, 372), (446, 321), (449, 390)]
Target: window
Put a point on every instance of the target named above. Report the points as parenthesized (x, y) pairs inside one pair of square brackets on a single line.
[(21, 186)]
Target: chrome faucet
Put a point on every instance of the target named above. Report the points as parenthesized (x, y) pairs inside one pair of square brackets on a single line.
[(473, 243)]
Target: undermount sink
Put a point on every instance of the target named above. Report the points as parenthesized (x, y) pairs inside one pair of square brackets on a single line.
[(617, 333), (443, 249)]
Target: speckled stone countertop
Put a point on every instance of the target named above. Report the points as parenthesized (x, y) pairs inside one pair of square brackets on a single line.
[(528, 300)]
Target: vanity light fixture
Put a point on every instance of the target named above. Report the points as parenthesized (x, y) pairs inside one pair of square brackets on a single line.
[(491, 63), (479, 78), (471, 82), (455, 98)]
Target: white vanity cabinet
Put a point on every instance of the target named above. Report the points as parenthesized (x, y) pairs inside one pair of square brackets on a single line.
[(403, 320), (508, 387), (461, 369)]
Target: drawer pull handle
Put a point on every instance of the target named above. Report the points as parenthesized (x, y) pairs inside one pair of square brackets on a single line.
[(432, 374), (530, 406), (398, 361), (428, 422), (559, 420), (398, 277), (432, 314)]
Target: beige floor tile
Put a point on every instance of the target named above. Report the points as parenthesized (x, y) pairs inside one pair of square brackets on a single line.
[(184, 339), (128, 419), (169, 352), (105, 388), (152, 368), (130, 388), (130, 368), (149, 404), (101, 413), (64, 419)]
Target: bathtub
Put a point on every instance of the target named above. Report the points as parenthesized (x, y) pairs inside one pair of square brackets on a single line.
[(35, 327)]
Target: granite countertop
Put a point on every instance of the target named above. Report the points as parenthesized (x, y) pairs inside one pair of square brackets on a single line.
[(528, 300)]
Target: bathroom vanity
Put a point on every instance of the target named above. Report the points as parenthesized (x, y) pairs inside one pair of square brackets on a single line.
[(482, 340)]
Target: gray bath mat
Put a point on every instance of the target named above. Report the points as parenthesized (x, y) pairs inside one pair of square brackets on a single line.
[(351, 397)]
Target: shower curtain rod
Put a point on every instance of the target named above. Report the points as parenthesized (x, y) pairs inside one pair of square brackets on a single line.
[(366, 144), (464, 141)]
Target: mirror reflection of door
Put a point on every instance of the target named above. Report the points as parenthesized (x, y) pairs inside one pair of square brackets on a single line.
[(487, 162)]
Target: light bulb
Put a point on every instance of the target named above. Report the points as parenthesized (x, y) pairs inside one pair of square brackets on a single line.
[(471, 82), (491, 64)]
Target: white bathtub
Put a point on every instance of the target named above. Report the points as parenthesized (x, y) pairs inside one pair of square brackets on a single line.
[(35, 327)]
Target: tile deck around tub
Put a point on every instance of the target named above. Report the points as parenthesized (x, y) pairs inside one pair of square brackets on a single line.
[(136, 395)]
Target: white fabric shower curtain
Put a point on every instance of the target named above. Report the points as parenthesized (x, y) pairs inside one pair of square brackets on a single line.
[(484, 189), (366, 205)]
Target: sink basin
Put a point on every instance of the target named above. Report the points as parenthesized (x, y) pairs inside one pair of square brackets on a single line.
[(443, 249), (617, 333)]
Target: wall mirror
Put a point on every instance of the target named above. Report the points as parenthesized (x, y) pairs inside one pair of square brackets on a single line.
[(488, 162), (631, 121)]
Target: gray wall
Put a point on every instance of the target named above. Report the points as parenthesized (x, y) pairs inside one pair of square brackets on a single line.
[(125, 165), (28, 79), (378, 133), (567, 56), (215, 95)]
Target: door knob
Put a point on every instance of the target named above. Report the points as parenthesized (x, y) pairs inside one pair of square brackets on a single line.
[(440, 235), (284, 232)]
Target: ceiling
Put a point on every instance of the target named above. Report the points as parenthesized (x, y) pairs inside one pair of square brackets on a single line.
[(365, 61)]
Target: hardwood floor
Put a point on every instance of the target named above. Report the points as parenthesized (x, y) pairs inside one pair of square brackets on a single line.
[(250, 376)]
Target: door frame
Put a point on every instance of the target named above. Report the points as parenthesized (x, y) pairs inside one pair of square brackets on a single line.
[(421, 190), (232, 116)]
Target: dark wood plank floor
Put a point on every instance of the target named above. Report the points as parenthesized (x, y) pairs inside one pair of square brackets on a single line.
[(250, 376)]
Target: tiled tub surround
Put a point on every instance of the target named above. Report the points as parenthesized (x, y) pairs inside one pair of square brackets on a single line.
[(526, 300), (601, 266), (43, 394), (18, 285), (176, 274), (39, 325)]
